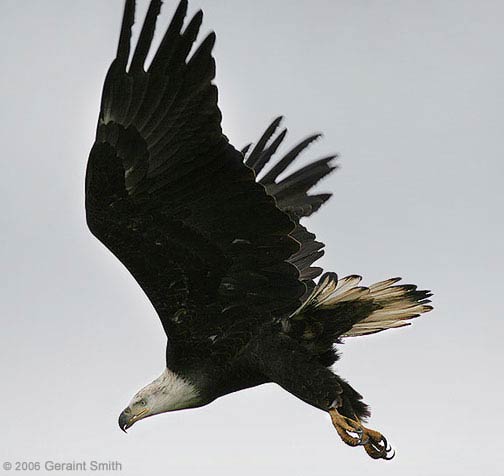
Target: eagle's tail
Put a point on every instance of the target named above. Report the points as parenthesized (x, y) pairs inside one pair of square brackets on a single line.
[(341, 308)]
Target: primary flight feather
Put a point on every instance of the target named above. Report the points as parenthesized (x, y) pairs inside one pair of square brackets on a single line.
[(221, 253)]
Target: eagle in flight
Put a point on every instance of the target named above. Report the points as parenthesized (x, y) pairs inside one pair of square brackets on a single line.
[(213, 236)]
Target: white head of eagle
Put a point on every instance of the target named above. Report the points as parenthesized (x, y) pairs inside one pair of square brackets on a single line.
[(166, 393)]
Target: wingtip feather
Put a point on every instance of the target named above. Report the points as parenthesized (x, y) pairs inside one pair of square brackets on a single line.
[(124, 45)]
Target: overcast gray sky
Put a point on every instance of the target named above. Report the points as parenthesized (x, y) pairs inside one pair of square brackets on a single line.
[(410, 93)]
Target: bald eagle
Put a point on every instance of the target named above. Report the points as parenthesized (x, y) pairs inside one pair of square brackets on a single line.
[(213, 236)]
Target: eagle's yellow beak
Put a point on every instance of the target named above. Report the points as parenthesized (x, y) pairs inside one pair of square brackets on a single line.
[(127, 418)]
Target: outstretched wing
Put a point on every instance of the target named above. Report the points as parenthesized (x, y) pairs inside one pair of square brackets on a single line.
[(292, 192), (172, 199)]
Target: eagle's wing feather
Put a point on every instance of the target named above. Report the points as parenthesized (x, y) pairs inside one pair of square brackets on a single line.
[(292, 192), (172, 199)]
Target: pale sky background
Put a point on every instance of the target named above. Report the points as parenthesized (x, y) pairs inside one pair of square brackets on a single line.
[(409, 92)]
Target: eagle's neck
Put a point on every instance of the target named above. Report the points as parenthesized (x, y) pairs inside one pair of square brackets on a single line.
[(171, 392)]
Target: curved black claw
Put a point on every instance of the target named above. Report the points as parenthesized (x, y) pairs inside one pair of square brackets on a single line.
[(389, 457), (379, 448), (387, 448)]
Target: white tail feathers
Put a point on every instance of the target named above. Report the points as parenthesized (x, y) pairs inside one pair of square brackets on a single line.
[(394, 305)]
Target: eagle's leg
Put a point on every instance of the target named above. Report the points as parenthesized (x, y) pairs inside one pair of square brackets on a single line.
[(374, 442), (284, 361)]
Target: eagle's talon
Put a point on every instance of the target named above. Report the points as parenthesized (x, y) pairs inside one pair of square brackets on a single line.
[(387, 457), (375, 444), (378, 447)]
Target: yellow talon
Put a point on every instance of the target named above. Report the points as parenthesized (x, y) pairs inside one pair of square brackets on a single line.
[(374, 442)]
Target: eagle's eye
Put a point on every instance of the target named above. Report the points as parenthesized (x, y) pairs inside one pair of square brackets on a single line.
[(142, 402)]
